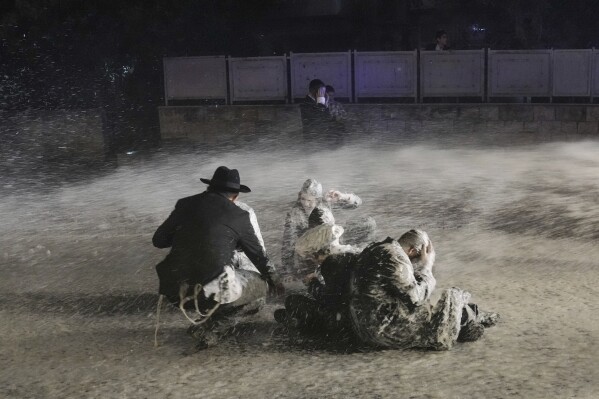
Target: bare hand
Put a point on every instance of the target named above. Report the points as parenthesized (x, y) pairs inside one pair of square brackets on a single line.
[(287, 279), (309, 277), (426, 253), (333, 196), (322, 92)]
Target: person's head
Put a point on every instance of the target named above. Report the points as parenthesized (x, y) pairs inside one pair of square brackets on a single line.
[(227, 182), (330, 90), (310, 194), (320, 215), (441, 38), (319, 242), (314, 86), (414, 242)]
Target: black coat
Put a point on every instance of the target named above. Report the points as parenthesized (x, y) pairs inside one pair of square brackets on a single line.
[(203, 232), (336, 271), (317, 119)]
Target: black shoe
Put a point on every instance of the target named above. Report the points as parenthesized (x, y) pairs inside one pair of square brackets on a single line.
[(203, 336), (471, 332), (201, 344)]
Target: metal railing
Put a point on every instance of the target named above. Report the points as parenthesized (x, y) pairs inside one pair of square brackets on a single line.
[(484, 74)]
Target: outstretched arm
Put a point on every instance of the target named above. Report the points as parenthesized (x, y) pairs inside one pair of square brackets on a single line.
[(343, 200)]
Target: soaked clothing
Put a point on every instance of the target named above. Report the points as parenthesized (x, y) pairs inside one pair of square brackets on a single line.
[(203, 232), (296, 224), (390, 305)]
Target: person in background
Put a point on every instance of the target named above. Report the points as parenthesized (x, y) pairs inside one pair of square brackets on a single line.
[(317, 120), (441, 42), (336, 109)]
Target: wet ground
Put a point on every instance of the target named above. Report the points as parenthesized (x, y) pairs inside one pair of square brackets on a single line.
[(514, 219)]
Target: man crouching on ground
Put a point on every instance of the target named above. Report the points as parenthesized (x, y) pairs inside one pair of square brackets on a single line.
[(203, 232)]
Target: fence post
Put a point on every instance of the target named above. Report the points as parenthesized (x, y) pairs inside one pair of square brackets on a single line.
[(551, 67), (592, 79), (165, 80)]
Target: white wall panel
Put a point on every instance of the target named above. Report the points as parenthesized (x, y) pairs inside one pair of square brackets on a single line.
[(195, 78), (452, 73), (572, 73), (258, 78), (385, 74), (519, 73), (332, 68)]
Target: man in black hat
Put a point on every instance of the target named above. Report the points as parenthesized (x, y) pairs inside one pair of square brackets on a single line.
[(203, 232)]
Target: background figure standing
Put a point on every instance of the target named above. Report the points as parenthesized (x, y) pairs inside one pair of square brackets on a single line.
[(317, 121), (441, 42), (336, 109)]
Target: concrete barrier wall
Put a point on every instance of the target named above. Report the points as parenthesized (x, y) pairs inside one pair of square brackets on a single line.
[(54, 135), (214, 123)]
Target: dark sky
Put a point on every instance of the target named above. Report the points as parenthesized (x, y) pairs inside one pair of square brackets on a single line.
[(60, 54)]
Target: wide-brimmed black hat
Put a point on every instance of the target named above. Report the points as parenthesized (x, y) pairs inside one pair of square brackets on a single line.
[(226, 179)]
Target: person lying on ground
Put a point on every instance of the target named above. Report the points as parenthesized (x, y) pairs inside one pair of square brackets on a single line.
[(390, 303)]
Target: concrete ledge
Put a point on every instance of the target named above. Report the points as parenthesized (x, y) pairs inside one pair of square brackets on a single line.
[(544, 113), (588, 128), (214, 123), (516, 113), (570, 113)]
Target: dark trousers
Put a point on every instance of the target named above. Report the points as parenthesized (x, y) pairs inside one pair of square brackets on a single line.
[(317, 317)]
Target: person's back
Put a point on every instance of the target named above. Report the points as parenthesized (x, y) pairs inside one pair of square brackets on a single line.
[(336, 271)]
